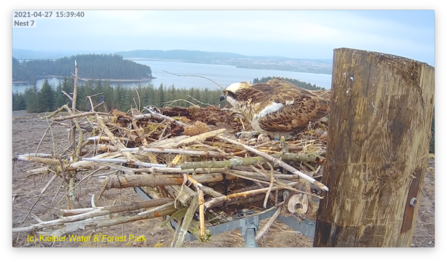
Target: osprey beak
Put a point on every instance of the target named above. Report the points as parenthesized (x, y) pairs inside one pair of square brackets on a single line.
[(222, 97)]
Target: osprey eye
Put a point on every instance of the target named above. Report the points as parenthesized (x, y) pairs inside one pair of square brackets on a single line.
[(226, 92)]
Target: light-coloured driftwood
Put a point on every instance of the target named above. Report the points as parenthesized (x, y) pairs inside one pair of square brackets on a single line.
[(152, 180), (122, 161), (200, 200), (76, 216), (266, 227), (175, 151), (93, 223), (218, 200), (181, 231), (119, 208), (189, 140), (79, 115)]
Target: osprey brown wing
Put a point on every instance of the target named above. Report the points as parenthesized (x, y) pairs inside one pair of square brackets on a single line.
[(300, 106)]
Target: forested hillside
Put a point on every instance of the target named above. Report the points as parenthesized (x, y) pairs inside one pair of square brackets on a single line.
[(93, 67)]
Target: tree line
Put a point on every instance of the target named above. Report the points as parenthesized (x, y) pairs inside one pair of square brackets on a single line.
[(49, 98), (95, 66)]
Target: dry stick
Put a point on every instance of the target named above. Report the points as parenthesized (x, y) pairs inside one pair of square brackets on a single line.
[(280, 185), (189, 140), (87, 176), (278, 162), (37, 200), (181, 190), (43, 160), (43, 137), (36, 218), (76, 123), (152, 180), (221, 164), (259, 171), (195, 76), (30, 156), (212, 148), (52, 136), (210, 191), (266, 227), (76, 166), (113, 139), (200, 102), (57, 192), (262, 177), (253, 160), (139, 132), (69, 97), (171, 203), (139, 100), (168, 170), (73, 116), (57, 111), (272, 179), (181, 231), (170, 103), (201, 200), (115, 209), (105, 138), (123, 161), (73, 110), (48, 184), (201, 213), (153, 114), (176, 151), (213, 202), (91, 104), (85, 219)]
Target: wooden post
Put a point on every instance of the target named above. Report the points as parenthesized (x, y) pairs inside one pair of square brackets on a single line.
[(378, 144)]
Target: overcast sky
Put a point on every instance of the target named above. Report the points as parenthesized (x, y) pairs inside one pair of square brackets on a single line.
[(295, 34)]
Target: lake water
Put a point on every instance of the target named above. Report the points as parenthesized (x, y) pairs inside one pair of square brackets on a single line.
[(224, 75)]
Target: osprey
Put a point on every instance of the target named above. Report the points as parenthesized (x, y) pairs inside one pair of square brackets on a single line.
[(277, 108)]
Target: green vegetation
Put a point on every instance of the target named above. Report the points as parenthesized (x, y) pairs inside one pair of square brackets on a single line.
[(94, 67), (20, 72), (49, 98), (296, 82)]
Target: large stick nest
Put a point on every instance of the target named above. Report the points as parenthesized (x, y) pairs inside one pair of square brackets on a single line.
[(188, 160)]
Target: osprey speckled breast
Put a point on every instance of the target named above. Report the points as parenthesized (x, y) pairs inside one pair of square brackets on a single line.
[(277, 108)]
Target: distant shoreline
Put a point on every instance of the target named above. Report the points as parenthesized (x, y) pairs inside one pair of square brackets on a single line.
[(89, 79), (237, 65), (118, 80)]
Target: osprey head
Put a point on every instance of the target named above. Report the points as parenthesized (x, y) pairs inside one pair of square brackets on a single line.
[(230, 93)]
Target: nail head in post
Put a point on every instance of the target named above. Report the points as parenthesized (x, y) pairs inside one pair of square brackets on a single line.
[(413, 202)]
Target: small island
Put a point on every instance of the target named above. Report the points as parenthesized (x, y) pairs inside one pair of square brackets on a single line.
[(110, 67)]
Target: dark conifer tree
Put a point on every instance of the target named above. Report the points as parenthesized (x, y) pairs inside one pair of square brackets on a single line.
[(46, 97)]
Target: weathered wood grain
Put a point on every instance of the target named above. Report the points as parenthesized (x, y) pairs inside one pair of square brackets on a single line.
[(378, 137)]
